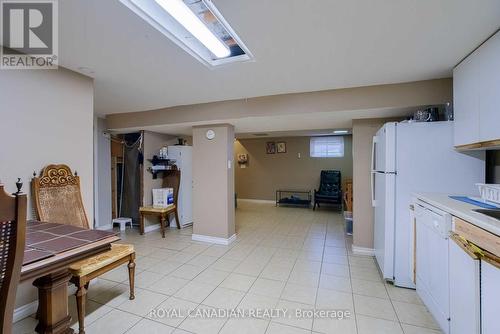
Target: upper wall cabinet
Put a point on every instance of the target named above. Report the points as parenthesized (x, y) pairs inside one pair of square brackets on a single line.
[(476, 91), (466, 101), (489, 90)]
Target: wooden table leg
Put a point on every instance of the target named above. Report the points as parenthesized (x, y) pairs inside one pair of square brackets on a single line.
[(177, 219), (53, 299), (141, 224), (131, 275), (162, 225)]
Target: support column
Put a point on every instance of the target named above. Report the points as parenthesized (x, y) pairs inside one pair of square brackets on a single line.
[(213, 184)]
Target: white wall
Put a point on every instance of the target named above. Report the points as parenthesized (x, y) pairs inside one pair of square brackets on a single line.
[(46, 116), (102, 175)]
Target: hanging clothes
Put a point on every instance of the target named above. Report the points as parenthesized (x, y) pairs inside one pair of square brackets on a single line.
[(131, 198)]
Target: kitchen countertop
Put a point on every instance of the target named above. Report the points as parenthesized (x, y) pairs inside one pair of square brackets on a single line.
[(461, 210)]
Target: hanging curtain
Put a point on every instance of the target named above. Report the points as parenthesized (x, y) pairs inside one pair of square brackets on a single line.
[(131, 198)]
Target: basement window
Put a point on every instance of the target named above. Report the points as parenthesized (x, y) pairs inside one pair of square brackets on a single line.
[(327, 147), (196, 26)]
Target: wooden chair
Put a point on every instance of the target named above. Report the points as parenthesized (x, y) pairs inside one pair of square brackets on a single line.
[(13, 237), (170, 180), (348, 195), (58, 199)]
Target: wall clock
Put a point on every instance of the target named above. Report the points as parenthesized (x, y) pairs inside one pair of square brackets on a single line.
[(210, 134)]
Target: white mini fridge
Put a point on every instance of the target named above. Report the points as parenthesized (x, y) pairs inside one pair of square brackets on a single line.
[(183, 156), (408, 158)]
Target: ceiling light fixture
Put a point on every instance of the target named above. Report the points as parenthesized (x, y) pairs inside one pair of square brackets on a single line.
[(182, 14), (339, 132)]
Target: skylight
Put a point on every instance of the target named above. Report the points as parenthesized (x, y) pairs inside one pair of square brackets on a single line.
[(194, 25)]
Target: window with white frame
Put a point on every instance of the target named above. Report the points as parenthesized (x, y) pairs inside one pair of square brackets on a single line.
[(327, 147)]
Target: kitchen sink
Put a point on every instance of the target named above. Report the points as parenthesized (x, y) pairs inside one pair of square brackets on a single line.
[(493, 213)]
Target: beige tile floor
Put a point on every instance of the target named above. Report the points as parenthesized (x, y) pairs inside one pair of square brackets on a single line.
[(283, 257)]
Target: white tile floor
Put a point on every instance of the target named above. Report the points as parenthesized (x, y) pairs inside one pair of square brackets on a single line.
[(283, 257)]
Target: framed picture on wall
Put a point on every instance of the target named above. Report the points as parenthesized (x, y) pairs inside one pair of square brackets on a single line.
[(270, 147), (281, 147)]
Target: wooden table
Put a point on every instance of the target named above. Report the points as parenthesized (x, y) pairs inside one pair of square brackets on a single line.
[(50, 249), (162, 213)]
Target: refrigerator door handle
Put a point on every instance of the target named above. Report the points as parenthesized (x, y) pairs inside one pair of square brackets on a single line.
[(374, 142), (372, 188)]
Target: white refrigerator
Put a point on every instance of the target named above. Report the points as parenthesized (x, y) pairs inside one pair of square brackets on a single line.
[(408, 158), (183, 156)]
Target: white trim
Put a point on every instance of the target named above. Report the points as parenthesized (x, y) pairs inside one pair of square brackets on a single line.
[(363, 251), (25, 311), (214, 240), (151, 228), (105, 227), (251, 200)]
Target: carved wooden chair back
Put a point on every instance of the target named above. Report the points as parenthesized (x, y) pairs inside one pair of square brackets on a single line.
[(57, 197), (12, 240), (172, 179)]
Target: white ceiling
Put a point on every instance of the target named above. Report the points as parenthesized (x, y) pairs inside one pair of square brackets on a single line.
[(298, 46)]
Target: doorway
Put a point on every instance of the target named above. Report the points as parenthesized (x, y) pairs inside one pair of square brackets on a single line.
[(126, 175)]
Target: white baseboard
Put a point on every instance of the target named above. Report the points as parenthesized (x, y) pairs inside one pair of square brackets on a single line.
[(214, 240), (105, 227), (363, 251), (173, 224), (25, 311), (151, 228), (251, 200)]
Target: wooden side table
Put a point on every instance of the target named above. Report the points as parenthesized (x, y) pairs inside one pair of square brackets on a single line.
[(162, 213)]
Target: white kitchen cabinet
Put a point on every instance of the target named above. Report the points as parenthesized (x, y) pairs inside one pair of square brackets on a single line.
[(466, 101), (489, 89), (464, 289), (490, 297), (476, 83), (432, 260)]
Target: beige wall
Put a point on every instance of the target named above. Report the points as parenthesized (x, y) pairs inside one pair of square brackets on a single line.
[(153, 142), (213, 182), (265, 173), (102, 175), (46, 117), (402, 95), (362, 135)]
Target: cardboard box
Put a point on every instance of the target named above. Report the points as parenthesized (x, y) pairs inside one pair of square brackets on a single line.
[(163, 197)]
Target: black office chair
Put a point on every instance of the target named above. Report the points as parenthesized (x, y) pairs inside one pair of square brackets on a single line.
[(330, 189)]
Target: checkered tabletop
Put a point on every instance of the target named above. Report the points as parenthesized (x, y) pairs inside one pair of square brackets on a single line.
[(45, 240)]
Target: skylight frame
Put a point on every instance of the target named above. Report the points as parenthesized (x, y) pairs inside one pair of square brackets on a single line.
[(141, 8)]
